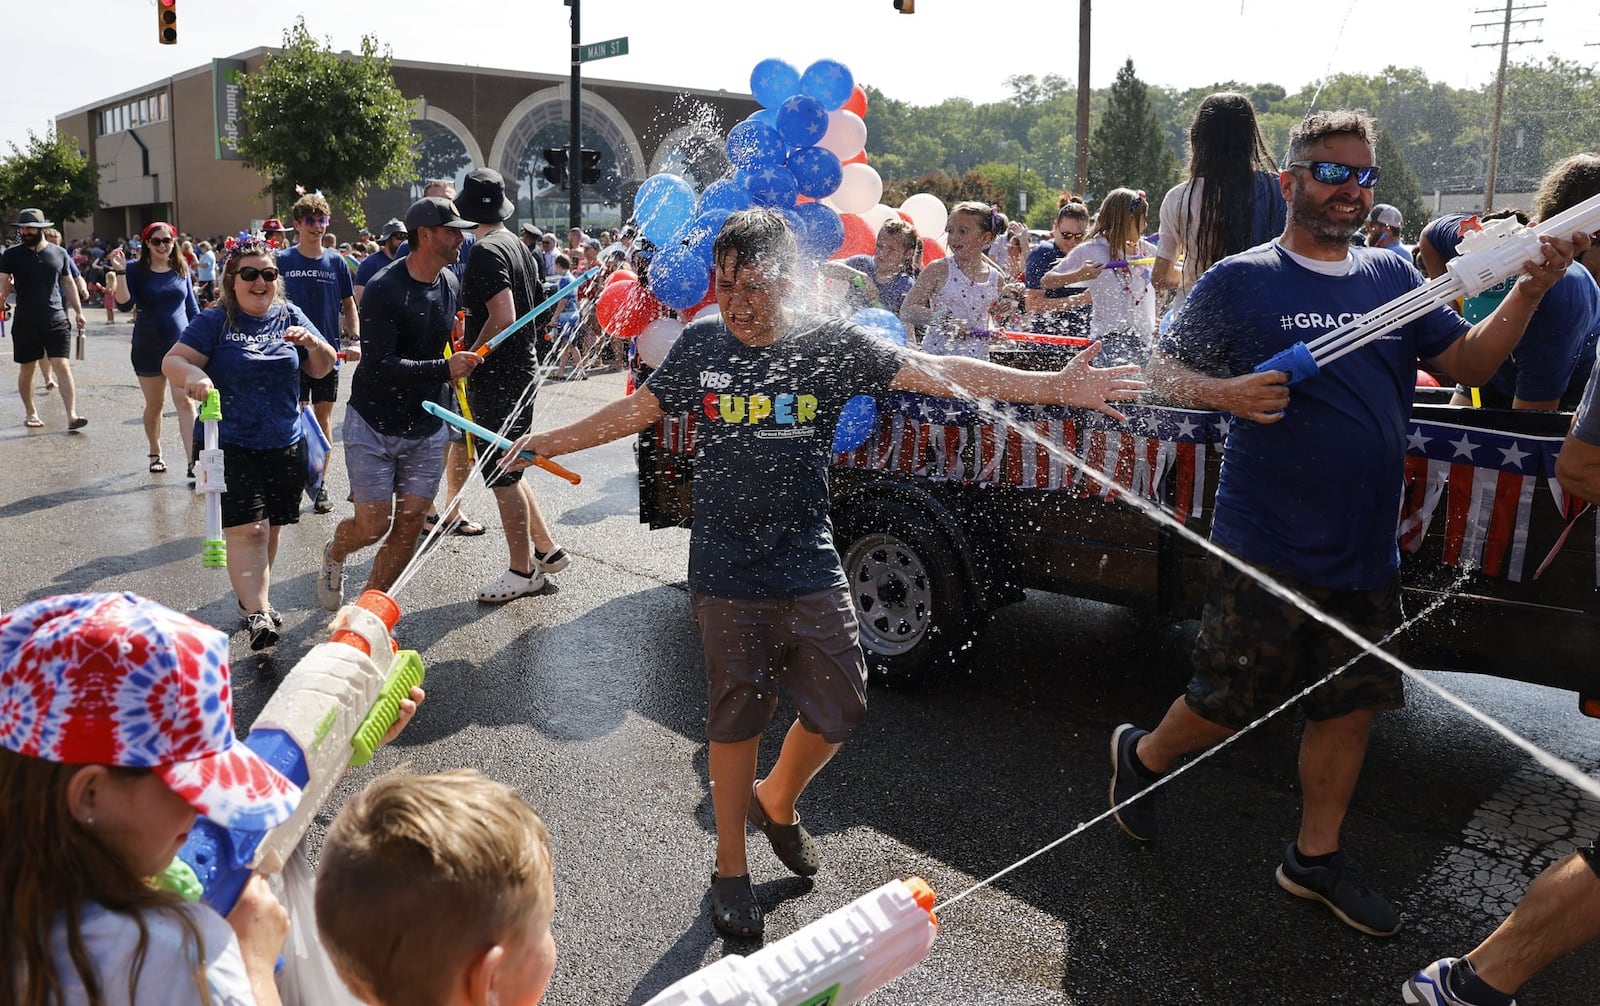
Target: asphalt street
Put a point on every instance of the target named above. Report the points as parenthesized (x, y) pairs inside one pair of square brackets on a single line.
[(589, 700)]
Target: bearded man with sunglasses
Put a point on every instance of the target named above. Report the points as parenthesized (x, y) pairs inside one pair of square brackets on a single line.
[(1309, 491)]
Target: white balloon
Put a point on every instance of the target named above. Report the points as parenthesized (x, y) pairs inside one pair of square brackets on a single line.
[(846, 135), (879, 215), (711, 312), (657, 338), (859, 189), (928, 214)]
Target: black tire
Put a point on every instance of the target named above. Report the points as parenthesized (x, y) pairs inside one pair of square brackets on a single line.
[(910, 597)]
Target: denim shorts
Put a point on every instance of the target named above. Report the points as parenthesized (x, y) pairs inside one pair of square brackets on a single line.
[(808, 643), (382, 467)]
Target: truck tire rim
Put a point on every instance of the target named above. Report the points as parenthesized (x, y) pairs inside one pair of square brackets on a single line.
[(892, 593)]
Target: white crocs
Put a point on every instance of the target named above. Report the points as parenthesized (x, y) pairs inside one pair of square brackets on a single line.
[(511, 586)]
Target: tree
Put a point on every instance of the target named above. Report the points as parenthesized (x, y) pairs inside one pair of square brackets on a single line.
[(316, 120), (950, 189), (53, 175), (1128, 148), (1397, 186)]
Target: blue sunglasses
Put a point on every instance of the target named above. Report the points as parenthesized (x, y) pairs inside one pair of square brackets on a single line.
[(1334, 173)]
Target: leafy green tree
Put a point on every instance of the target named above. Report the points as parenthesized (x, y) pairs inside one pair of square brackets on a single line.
[(1128, 148), (1398, 188), (316, 120), (950, 189), (51, 174)]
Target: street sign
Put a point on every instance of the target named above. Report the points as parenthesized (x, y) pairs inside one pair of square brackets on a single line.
[(601, 50)]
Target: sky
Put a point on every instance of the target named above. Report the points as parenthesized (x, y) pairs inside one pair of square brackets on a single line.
[(83, 51)]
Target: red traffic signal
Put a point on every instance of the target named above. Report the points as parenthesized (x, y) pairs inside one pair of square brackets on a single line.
[(167, 22)]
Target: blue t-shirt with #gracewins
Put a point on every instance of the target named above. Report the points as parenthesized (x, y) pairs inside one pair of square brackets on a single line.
[(1317, 493), (256, 372), (1552, 360), (765, 419), (318, 286), (166, 304)]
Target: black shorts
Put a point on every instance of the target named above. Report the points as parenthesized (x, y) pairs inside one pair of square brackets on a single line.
[(491, 411), (1254, 651), (263, 484), (319, 389), (30, 344)]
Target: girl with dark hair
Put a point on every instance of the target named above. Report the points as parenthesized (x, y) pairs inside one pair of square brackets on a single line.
[(158, 285), (1231, 200)]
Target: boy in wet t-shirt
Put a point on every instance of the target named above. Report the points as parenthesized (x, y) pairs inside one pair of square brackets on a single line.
[(767, 590)]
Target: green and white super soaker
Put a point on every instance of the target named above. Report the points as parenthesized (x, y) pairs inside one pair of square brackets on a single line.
[(208, 480)]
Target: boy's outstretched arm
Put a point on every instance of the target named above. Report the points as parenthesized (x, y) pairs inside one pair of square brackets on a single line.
[(1077, 384), (607, 423)]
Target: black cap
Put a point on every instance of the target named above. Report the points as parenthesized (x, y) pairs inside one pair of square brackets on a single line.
[(483, 197), (532, 230), (435, 211), (391, 228)]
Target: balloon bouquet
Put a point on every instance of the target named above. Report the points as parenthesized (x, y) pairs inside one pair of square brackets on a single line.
[(803, 154)]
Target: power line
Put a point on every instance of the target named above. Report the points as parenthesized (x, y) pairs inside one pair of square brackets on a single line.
[(1505, 44)]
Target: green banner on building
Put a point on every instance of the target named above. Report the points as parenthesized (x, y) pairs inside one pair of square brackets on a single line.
[(227, 92)]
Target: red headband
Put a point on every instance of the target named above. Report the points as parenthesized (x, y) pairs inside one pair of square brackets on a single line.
[(144, 235)]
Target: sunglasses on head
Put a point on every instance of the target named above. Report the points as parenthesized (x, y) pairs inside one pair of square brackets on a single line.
[(250, 274), (314, 221), (1334, 173)]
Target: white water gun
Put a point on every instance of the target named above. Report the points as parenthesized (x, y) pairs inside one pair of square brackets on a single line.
[(1487, 257), (209, 482), (331, 711), (841, 958)]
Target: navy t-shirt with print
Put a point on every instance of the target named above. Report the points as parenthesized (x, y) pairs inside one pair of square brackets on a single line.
[(1553, 358), (1317, 493), (765, 424), (318, 286), (256, 372)]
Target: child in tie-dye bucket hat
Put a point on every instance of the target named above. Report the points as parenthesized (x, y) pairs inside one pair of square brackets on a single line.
[(116, 729)]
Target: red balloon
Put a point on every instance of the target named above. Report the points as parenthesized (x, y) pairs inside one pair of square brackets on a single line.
[(619, 275), (931, 252), (860, 158), (858, 237), (625, 308), (857, 102), (802, 199), (1425, 379), (903, 215)]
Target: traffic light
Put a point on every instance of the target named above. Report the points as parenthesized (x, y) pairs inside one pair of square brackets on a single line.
[(555, 169), (906, 6), (591, 166), (167, 22)]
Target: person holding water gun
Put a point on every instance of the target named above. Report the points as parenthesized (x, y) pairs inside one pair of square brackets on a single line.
[(1115, 265)]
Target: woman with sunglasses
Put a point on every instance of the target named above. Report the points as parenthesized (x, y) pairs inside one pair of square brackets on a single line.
[(158, 285), (1231, 200), (253, 349)]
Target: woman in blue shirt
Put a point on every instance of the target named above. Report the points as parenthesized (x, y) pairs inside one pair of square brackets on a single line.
[(158, 285), (252, 349)]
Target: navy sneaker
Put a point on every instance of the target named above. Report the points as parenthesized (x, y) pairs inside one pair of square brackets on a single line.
[(1139, 818), (1337, 887)]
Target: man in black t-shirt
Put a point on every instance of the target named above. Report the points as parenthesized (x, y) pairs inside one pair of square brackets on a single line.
[(393, 448), (41, 274), (500, 285), (767, 590)]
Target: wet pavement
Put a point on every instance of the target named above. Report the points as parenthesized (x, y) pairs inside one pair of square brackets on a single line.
[(589, 699)]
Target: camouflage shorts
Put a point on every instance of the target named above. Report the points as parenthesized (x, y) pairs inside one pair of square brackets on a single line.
[(1254, 651)]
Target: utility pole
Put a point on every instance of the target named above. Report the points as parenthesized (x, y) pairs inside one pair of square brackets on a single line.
[(1083, 98), (1505, 45), (575, 144)]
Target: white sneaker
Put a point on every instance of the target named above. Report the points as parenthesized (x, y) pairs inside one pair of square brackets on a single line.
[(511, 586), (330, 582)]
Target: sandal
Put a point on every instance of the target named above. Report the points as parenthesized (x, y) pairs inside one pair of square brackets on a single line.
[(460, 527), (77, 424), (156, 464), (33, 422), (511, 586), (734, 909), (793, 845)]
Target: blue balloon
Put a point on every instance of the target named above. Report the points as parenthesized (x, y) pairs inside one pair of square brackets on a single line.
[(678, 278), (883, 324), (755, 145), (702, 234), (727, 194), (765, 116), (664, 204), (797, 224), (821, 231), (828, 81), (802, 120), (816, 171), (856, 420), (772, 81), (770, 186)]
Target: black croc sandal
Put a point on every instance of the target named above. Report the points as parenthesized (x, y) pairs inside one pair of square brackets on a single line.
[(794, 846), (734, 910)]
